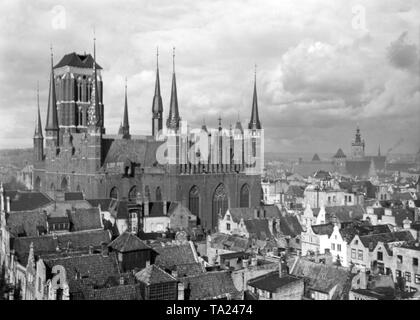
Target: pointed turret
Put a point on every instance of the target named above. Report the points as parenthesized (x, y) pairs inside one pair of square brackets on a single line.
[(38, 137), (254, 123), (38, 125), (157, 106), (125, 127), (173, 118), (52, 119), (93, 111)]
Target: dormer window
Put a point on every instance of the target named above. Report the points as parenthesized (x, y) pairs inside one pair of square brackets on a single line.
[(228, 217)]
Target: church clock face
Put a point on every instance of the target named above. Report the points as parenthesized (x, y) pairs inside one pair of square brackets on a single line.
[(181, 236)]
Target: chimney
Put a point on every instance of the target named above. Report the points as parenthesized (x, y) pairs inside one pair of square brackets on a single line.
[(165, 208), (174, 273), (245, 263), (253, 261), (90, 249), (7, 204), (406, 223), (104, 249), (256, 213), (1, 198), (181, 289)]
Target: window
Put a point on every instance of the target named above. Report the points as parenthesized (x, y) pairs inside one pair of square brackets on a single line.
[(399, 258), (356, 242), (194, 201), (398, 273), (132, 194), (415, 261), (220, 202), (349, 198), (353, 253), (408, 276), (338, 247), (228, 217), (244, 197), (158, 194), (332, 246), (228, 226), (360, 255), (417, 278), (114, 193), (380, 256)]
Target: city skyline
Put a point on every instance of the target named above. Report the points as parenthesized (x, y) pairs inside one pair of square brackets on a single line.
[(315, 85)]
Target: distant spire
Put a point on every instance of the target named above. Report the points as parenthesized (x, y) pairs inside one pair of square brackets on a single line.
[(125, 128), (38, 125), (254, 123), (52, 119), (173, 118), (220, 122), (157, 106), (379, 150)]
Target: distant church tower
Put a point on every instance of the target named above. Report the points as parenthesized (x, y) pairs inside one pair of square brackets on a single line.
[(38, 137), (358, 146), (157, 107), (51, 127), (125, 126)]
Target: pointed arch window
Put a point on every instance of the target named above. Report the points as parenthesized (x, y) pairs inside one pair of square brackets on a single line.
[(194, 201), (158, 194), (37, 185), (220, 203), (147, 192), (114, 193), (64, 184), (244, 197), (132, 194)]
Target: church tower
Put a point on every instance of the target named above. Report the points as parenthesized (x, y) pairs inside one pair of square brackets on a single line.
[(173, 120), (94, 122), (358, 146), (51, 127), (157, 106), (38, 137)]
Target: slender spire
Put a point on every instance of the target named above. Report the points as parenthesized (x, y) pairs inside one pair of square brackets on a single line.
[(254, 123), (379, 150), (173, 118), (125, 125), (93, 111), (38, 125), (52, 119), (204, 126), (220, 122), (157, 106)]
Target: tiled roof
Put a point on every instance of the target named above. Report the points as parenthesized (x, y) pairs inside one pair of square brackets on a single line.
[(87, 269), (49, 243), (322, 175), (323, 229), (348, 232), (120, 292), (174, 255), (296, 191), (229, 242), (248, 213), (402, 196), (27, 223), (85, 219), (258, 228), (401, 214), (104, 203), (77, 60), (153, 275), (290, 225), (140, 151), (271, 281), (339, 154), (27, 200), (209, 285), (323, 277), (69, 196), (342, 213), (127, 242), (370, 241)]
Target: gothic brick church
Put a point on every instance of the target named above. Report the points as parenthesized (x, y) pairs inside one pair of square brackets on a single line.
[(80, 156)]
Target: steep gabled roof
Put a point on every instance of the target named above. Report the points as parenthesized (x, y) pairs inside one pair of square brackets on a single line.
[(127, 242), (339, 154), (248, 213), (370, 241), (271, 282), (85, 219), (170, 256), (77, 60), (28, 223), (258, 228), (323, 229), (120, 292), (154, 275), (316, 157), (27, 200)]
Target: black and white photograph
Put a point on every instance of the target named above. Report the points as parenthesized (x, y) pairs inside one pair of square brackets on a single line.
[(209, 155)]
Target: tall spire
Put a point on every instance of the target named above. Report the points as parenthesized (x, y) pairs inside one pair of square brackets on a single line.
[(38, 125), (379, 150), (52, 119), (254, 123), (157, 99), (125, 125), (93, 111), (173, 118)]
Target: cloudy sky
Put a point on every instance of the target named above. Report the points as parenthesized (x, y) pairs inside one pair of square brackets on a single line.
[(323, 66)]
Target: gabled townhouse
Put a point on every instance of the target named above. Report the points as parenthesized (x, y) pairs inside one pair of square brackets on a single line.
[(315, 240), (360, 250), (406, 264)]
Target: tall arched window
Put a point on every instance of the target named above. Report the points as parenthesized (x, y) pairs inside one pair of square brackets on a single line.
[(64, 184), (78, 189), (220, 203), (37, 184), (147, 192), (132, 194), (158, 194), (114, 193), (194, 201), (244, 197)]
